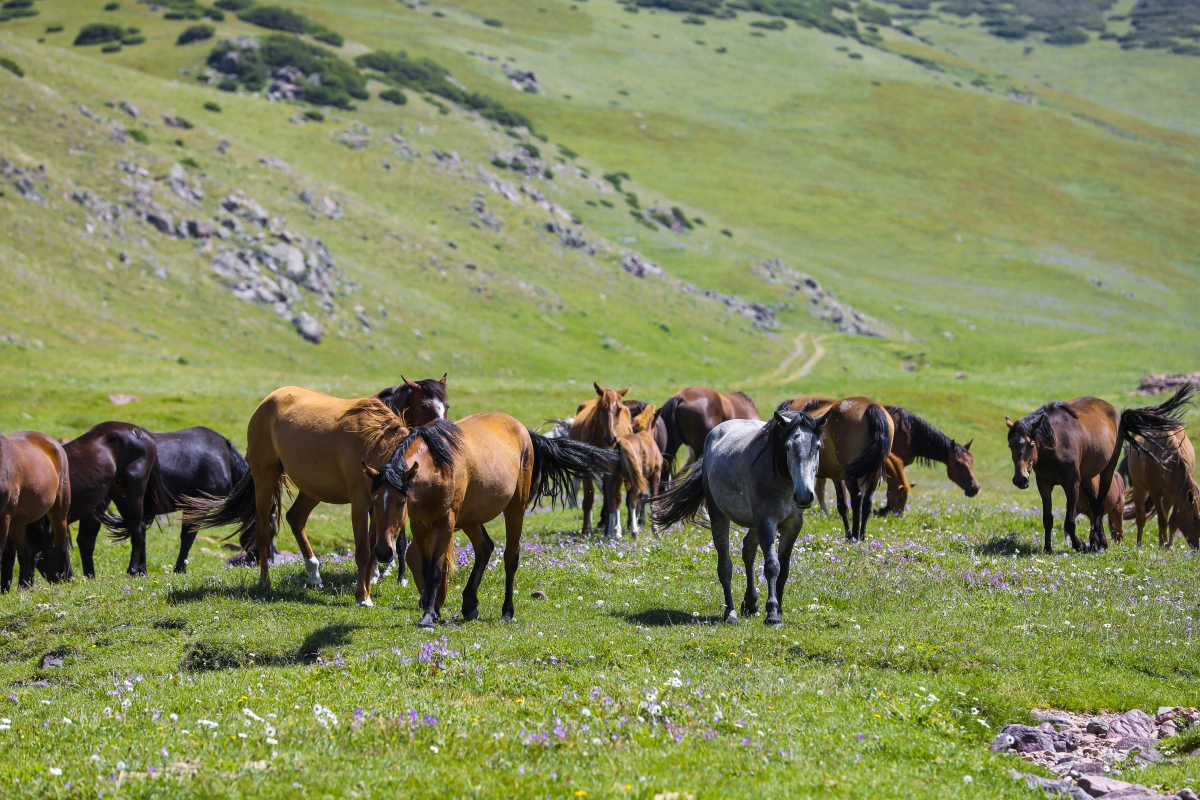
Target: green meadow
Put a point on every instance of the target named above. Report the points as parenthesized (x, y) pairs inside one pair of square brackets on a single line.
[(1021, 226)]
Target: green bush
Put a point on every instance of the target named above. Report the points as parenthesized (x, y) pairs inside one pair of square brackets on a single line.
[(234, 5), (394, 96), (54, 29), (1067, 36), (131, 39), (323, 34), (115, 47), (615, 179), (340, 81), (98, 33), (875, 15), (195, 33), (531, 149), (314, 115), (189, 162), (112, 6), (215, 14), (493, 23), (11, 66), (568, 152), (692, 19), (138, 135), (499, 163), (11, 4), (211, 106), (228, 85), (770, 25), (276, 18)]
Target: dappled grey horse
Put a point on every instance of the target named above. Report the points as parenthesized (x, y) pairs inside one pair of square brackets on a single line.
[(760, 475)]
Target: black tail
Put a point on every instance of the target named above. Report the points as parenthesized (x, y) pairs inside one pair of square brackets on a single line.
[(156, 499), (870, 461), (239, 508), (682, 503), (557, 462), (1156, 421)]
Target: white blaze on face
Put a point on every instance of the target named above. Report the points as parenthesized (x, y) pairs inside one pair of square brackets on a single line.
[(439, 407)]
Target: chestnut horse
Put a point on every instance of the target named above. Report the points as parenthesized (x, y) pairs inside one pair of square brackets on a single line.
[(1114, 506), (898, 487), (1164, 470), (35, 483), (320, 444), (600, 423), (691, 414), (418, 402), (459, 476), (917, 440), (641, 464), (1071, 443), (857, 441)]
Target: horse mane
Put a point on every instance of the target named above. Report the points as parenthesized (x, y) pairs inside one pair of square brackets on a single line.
[(442, 439), (377, 421), (742, 395), (645, 418), (774, 437), (927, 442), (396, 397), (1036, 424)]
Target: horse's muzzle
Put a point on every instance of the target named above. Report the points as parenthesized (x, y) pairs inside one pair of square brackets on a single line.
[(1021, 481), (609, 440), (803, 499), (384, 553), (974, 490)]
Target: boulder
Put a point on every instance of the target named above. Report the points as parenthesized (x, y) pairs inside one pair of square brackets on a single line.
[(1135, 724), (308, 327)]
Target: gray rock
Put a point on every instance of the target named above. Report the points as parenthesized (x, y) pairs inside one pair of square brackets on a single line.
[(308, 327), (1098, 727), (199, 229), (130, 109), (230, 62), (1136, 723), (1061, 786), (51, 660), (639, 266), (161, 221)]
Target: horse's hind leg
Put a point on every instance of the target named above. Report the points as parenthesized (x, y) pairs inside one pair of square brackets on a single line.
[(187, 537), (865, 509), (484, 547), (514, 519), (1072, 490), (749, 552), (1160, 509), (858, 521), (787, 540), (720, 533), (1116, 523), (7, 559), (632, 504), (297, 519), (1094, 511), (1139, 511), (821, 496), (842, 508), (26, 558), (89, 530), (364, 554), (589, 499)]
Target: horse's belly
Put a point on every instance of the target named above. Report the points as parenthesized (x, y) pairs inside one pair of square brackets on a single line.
[(322, 482), (486, 499)]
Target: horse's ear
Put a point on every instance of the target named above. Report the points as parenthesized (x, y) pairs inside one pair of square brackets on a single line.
[(911, 485), (444, 375), (967, 446), (1008, 422), (622, 391), (408, 383), (780, 418), (411, 472), (370, 471), (821, 420), (599, 391)]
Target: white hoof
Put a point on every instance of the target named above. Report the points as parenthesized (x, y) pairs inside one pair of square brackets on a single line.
[(313, 566), (375, 574), (404, 581), (368, 603)]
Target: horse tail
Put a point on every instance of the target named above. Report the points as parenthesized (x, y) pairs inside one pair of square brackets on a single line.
[(156, 499), (239, 507), (682, 502), (631, 465), (871, 460), (558, 462), (1154, 422)]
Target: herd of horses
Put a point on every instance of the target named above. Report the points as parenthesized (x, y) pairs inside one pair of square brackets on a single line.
[(407, 472)]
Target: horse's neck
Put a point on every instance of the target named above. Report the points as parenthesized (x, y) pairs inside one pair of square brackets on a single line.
[(933, 445)]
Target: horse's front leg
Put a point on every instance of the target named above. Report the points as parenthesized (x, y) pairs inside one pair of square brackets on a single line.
[(364, 554), (89, 531), (749, 552), (1096, 539), (766, 539), (632, 505), (720, 533), (436, 569), (7, 559), (1046, 491), (612, 506), (843, 510), (788, 531), (589, 499), (297, 519)]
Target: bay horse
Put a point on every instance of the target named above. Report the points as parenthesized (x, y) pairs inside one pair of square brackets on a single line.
[(858, 440), (600, 422), (418, 402), (917, 440), (759, 475), (1163, 471), (691, 414), (460, 476), (1069, 443), (320, 444), (34, 483), (641, 464)]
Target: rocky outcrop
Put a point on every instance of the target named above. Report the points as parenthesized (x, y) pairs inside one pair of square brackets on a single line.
[(25, 181), (822, 304), (521, 81), (1161, 384)]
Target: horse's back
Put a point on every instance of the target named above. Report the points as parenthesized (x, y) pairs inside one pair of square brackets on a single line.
[(738, 405), (39, 468), (1094, 429), (495, 460), (194, 458)]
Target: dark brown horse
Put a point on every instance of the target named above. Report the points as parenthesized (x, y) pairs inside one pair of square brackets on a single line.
[(35, 483), (600, 423), (418, 402), (917, 440), (1072, 444), (691, 414)]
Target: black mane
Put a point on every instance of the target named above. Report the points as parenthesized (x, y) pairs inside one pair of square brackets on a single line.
[(774, 437), (443, 440), (1036, 427), (927, 442), (396, 397)]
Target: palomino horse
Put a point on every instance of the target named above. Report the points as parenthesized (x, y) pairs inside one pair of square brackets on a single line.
[(657, 427), (461, 475), (34, 483), (1069, 444), (858, 440), (320, 444), (691, 414), (760, 475), (917, 440), (641, 464), (600, 423), (418, 402), (1163, 470)]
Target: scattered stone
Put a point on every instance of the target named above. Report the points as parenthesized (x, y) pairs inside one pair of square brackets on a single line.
[(223, 146), (85, 111), (172, 121), (199, 229), (120, 399), (521, 81), (538, 594), (358, 137), (129, 108), (25, 181), (51, 660), (575, 239), (483, 216), (1163, 383), (275, 163), (403, 148), (638, 266), (177, 179), (162, 222), (308, 327), (822, 303)]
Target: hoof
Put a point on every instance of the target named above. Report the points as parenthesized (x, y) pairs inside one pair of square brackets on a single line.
[(731, 618), (775, 619), (427, 622), (404, 580), (749, 609), (368, 603), (470, 614), (506, 617)]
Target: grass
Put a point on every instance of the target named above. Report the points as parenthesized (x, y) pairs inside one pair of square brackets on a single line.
[(1039, 249)]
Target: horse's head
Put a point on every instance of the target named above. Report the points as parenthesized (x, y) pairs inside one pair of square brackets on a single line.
[(801, 440), (1186, 517), (898, 487), (611, 415), (644, 421), (389, 502), (1022, 442), (419, 402), (960, 468)]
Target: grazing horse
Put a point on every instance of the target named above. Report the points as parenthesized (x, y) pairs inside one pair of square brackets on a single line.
[(1163, 471), (319, 443), (1114, 506), (917, 440), (858, 440), (1071, 443), (641, 464), (691, 414), (760, 475), (459, 476), (898, 487), (600, 423), (418, 402), (35, 482)]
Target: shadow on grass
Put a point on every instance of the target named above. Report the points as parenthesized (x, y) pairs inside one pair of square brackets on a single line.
[(211, 656), (1009, 545), (285, 589), (668, 617)]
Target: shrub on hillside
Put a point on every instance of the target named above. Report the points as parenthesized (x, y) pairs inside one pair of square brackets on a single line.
[(323, 34), (340, 81), (770, 25), (872, 14), (493, 23), (138, 136), (195, 33), (1068, 36), (112, 6), (98, 33), (276, 18), (11, 66), (234, 5), (115, 47), (182, 9), (394, 96), (215, 14), (314, 115), (130, 39), (211, 106)]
